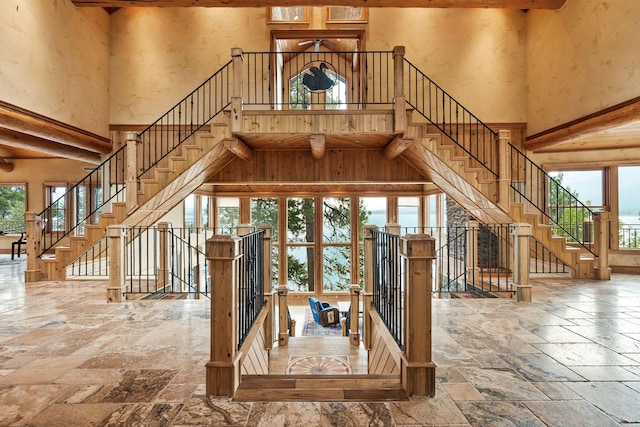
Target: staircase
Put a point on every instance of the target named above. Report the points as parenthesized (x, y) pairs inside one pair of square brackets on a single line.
[(320, 388)]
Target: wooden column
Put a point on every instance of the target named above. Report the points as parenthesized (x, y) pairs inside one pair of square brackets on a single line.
[(236, 93), (223, 368), (368, 284), (400, 110), (418, 371), (283, 317), (601, 224), (473, 269), (269, 323), (116, 234), (354, 326), (504, 173), (33, 227), (131, 179), (163, 262), (521, 255)]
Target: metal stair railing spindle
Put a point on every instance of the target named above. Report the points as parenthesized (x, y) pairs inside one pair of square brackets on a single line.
[(569, 217), (158, 140), (450, 117)]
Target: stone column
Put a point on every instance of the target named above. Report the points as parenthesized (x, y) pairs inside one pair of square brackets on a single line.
[(601, 224), (116, 235), (223, 368), (418, 371), (521, 255)]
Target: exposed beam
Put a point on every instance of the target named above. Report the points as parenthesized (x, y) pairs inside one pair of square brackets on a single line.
[(397, 146), (238, 148), (318, 145), (5, 166), (27, 122), (611, 117), (19, 140), (505, 4)]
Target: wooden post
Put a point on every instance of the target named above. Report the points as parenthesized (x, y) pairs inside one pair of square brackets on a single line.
[(601, 223), (473, 268), (163, 262), (33, 227), (521, 255), (223, 368), (269, 323), (354, 325), (131, 179), (368, 284), (117, 262), (418, 371), (504, 172), (283, 317), (400, 110), (392, 229), (236, 94)]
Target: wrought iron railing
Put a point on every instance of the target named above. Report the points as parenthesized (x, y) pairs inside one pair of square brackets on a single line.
[(250, 290), (387, 283), (276, 79), (629, 236), (106, 182), (451, 118), (569, 217)]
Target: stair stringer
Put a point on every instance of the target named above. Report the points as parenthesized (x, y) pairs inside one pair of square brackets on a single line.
[(474, 190), (155, 201)]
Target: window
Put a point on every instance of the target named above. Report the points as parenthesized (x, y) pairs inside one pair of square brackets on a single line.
[(336, 255), (55, 196), (346, 14), (265, 211), (628, 207), (300, 244), (190, 212), (12, 208), (409, 213), (228, 214), (288, 15), (301, 96)]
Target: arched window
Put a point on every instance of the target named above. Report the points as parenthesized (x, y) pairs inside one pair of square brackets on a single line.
[(334, 98)]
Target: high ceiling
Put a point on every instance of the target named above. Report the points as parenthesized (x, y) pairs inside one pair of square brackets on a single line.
[(511, 4)]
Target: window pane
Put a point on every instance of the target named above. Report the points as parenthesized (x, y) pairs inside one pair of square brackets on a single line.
[(12, 208), (265, 211), (337, 220), (288, 14), (585, 185), (337, 268), (189, 211), (408, 212), (300, 220), (300, 269), (57, 222), (375, 209), (629, 207), (204, 212)]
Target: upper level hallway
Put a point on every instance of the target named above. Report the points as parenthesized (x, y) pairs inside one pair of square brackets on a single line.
[(570, 357)]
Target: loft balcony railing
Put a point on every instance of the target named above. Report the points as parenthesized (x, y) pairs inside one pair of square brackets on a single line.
[(273, 80)]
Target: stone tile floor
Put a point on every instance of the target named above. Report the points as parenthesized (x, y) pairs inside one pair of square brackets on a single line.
[(569, 358)]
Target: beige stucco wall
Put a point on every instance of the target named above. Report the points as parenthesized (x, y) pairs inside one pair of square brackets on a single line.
[(159, 55), (581, 59), (476, 55), (55, 61)]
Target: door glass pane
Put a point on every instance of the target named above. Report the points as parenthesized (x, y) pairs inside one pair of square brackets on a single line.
[(336, 220), (337, 268)]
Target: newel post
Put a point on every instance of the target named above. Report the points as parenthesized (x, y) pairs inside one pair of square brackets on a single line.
[(601, 224), (521, 255), (223, 368), (268, 291), (116, 234), (400, 110), (33, 227), (131, 178), (367, 295), (418, 371), (163, 262), (354, 324), (283, 317), (236, 93), (504, 164), (472, 257)]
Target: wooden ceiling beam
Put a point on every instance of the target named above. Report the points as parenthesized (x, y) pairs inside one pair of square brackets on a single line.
[(617, 115), (318, 145), (27, 142), (19, 120), (5, 166), (503, 4), (238, 148)]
